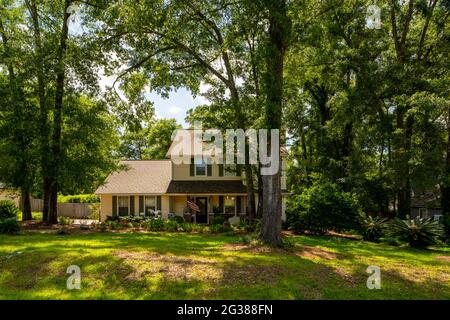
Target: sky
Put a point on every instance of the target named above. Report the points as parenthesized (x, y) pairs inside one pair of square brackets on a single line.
[(176, 106)]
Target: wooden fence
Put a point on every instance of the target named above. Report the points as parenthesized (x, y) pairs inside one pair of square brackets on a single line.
[(71, 210)]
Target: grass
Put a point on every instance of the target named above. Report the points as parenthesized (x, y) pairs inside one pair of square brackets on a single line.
[(200, 266), (35, 215)]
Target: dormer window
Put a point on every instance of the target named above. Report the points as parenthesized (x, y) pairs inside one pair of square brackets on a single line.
[(200, 169)]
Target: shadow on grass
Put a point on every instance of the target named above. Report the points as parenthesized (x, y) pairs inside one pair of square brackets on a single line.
[(191, 266)]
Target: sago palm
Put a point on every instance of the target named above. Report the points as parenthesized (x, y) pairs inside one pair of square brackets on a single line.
[(417, 232)]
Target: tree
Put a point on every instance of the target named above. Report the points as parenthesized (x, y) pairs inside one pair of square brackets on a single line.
[(187, 41), (277, 43), (17, 110)]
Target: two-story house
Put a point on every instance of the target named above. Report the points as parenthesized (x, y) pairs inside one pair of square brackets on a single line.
[(150, 185)]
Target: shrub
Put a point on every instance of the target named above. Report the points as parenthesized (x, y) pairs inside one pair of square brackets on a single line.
[(187, 227), (64, 221), (217, 219), (244, 224), (155, 225), (171, 226), (63, 231), (258, 226), (417, 232), (178, 219), (114, 224), (103, 226), (199, 228), (8, 209), (9, 226), (95, 211), (79, 198), (372, 228), (216, 228), (391, 241), (322, 207)]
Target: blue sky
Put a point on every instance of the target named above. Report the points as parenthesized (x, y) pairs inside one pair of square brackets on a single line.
[(176, 106)]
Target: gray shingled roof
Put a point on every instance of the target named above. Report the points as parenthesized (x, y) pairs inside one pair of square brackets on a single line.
[(150, 177)]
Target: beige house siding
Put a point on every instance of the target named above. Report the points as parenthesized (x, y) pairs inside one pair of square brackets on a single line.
[(105, 206), (165, 206), (175, 204), (182, 172)]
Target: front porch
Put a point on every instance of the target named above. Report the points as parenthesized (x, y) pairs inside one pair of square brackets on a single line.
[(228, 205)]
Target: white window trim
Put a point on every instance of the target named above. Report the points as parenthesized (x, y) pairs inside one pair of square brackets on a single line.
[(128, 205), (156, 203), (206, 169), (235, 204)]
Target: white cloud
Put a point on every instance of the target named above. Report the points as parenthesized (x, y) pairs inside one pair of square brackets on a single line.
[(175, 110)]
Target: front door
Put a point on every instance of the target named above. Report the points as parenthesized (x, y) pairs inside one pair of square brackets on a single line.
[(202, 215)]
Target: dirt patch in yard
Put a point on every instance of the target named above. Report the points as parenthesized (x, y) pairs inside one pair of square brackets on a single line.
[(315, 252), (303, 251), (443, 258), (145, 264)]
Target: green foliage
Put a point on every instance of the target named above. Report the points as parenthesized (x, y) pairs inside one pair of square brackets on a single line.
[(171, 226), (417, 232), (155, 225), (8, 209), (95, 211), (187, 227), (245, 225), (79, 198), (323, 207), (217, 219), (9, 226), (178, 219), (113, 224), (372, 228), (63, 231), (103, 226), (64, 221), (217, 228)]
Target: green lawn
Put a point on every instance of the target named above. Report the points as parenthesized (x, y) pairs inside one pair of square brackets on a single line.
[(195, 266)]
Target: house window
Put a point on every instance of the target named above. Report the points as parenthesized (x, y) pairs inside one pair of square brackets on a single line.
[(229, 170), (123, 203), (150, 204), (230, 205), (200, 169)]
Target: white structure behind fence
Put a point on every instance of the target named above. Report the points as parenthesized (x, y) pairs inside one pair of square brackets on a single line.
[(71, 210)]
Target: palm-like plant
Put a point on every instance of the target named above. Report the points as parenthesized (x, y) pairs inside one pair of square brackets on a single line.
[(372, 228), (417, 232)]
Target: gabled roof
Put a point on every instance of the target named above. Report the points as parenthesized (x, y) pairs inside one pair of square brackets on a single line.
[(140, 176)]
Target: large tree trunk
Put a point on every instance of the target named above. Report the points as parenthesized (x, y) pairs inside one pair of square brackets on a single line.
[(57, 118), (43, 111), (279, 28), (404, 193), (25, 204), (445, 187)]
